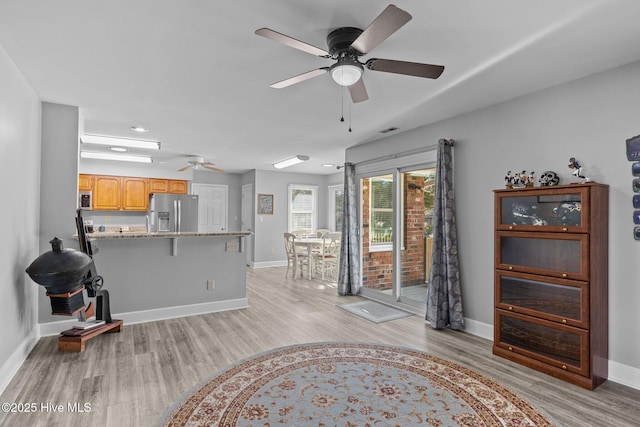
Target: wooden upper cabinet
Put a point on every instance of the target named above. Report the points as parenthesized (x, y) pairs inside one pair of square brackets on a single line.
[(177, 186), (114, 193), (106, 192), (84, 182), (157, 185), (135, 194)]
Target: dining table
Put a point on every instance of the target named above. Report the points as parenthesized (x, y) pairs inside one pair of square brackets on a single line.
[(309, 243)]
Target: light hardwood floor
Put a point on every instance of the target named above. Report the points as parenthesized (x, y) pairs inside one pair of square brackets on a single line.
[(130, 378)]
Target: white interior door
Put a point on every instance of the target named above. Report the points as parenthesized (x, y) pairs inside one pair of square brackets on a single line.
[(212, 207)]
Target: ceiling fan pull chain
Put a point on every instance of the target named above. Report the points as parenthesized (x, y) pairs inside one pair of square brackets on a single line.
[(342, 104), (349, 117)]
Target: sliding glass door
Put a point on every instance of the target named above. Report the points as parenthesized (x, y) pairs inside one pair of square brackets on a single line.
[(396, 209)]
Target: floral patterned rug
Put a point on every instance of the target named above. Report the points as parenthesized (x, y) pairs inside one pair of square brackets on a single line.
[(351, 384)]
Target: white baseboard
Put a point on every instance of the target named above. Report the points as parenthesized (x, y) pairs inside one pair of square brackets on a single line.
[(618, 373), (624, 374), (17, 358), (480, 329), (54, 328), (265, 264)]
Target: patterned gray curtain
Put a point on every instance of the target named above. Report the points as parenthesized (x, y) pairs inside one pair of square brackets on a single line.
[(444, 300), (349, 272)]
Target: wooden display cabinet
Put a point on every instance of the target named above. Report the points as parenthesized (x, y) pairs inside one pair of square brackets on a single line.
[(551, 280)]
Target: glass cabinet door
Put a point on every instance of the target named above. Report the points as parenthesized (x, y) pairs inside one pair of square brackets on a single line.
[(564, 347), (559, 300), (557, 209), (551, 254)]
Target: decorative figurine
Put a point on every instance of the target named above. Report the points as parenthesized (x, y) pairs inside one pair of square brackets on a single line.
[(549, 178), (577, 169), (521, 179), (508, 180), (530, 180)]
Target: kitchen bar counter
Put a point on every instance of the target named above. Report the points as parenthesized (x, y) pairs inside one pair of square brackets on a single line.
[(164, 235), (174, 237), (153, 276)]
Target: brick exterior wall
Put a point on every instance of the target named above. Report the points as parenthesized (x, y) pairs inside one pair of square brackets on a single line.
[(377, 268)]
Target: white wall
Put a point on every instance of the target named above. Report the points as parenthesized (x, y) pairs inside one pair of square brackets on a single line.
[(20, 175), (589, 119)]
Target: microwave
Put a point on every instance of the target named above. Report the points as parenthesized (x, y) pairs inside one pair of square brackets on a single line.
[(84, 200)]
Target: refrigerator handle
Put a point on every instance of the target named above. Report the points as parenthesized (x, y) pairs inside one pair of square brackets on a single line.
[(178, 229), (175, 216)]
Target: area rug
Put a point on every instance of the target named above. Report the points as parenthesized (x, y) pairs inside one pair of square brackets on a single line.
[(375, 311), (350, 384)]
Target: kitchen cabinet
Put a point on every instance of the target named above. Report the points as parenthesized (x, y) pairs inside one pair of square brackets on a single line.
[(115, 193), (135, 194), (85, 182), (106, 192), (177, 186), (174, 186), (551, 280)]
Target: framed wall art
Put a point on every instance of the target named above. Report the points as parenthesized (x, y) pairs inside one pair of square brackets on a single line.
[(265, 204)]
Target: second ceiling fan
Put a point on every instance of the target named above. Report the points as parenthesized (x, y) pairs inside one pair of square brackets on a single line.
[(346, 45)]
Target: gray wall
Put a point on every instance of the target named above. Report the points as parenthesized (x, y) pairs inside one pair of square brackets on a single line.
[(589, 119), (58, 184), (268, 240), (19, 216)]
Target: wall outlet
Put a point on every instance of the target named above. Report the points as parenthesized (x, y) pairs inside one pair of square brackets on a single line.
[(107, 218), (272, 251), (233, 246), (211, 284)]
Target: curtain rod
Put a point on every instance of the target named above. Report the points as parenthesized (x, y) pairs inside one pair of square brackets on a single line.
[(450, 142)]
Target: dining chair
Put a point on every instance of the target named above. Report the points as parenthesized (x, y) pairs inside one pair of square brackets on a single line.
[(327, 260), (296, 258), (304, 232), (320, 232)]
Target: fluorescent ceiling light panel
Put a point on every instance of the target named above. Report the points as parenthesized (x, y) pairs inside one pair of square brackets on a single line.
[(290, 162), (122, 142), (113, 156)]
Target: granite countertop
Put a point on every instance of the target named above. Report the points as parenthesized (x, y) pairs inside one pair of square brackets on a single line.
[(163, 235)]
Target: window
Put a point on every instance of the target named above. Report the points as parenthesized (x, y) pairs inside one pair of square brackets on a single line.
[(381, 210), (336, 201), (303, 202)]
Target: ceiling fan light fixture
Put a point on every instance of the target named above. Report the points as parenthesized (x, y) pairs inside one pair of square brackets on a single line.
[(290, 161), (346, 73)]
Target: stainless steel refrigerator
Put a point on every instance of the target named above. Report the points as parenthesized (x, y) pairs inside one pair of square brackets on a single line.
[(173, 213)]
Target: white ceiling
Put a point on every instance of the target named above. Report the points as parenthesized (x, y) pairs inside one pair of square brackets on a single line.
[(194, 72)]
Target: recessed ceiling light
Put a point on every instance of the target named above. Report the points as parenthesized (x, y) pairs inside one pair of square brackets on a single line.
[(118, 149), (113, 156), (291, 161), (120, 142), (139, 129)]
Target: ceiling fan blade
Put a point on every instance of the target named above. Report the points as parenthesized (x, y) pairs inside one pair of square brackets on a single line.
[(388, 22), (184, 168), (291, 42), (358, 91), (300, 78), (211, 168), (403, 67)]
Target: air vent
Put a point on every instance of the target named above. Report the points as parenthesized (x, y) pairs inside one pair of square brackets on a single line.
[(391, 129)]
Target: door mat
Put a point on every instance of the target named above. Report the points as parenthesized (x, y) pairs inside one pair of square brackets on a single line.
[(375, 311)]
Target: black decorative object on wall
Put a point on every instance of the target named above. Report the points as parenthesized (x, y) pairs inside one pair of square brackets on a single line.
[(633, 155)]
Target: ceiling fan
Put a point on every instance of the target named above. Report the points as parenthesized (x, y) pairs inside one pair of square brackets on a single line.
[(346, 45), (196, 162)]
